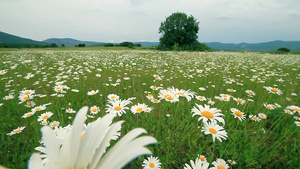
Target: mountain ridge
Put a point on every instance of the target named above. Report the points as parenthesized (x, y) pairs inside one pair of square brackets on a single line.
[(243, 46)]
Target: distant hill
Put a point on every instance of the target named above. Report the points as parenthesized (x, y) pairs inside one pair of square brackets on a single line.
[(8, 38), (264, 46), (70, 42)]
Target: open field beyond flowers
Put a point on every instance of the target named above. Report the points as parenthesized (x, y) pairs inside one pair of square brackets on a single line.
[(243, 107)]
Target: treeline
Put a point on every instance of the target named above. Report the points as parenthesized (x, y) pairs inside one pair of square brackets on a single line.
[(123, 44), (27, 45)]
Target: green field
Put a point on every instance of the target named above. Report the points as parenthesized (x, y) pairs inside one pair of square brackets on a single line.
[(272, 142)]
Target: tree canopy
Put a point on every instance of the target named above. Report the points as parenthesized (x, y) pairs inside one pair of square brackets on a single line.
[(179, 31)]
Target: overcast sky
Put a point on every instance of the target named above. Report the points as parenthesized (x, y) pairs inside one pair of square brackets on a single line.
[(230, 21)]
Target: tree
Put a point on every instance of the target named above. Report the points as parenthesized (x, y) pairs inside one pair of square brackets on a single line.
[(81, 45), (179, 31), (127, 44), (53, 45), (283, 50)]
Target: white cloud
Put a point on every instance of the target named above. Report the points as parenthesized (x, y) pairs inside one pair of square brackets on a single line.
[(116, 20)]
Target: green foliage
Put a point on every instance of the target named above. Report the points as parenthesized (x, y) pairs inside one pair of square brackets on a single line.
[(62, 45), (53, 45), (81, 45), (179, 32), (283, 50), (22, 45), (109, 45), (127, 44)]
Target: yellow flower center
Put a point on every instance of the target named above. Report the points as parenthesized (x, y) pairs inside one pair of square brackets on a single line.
[(117, 108), (152, 165), (45, 117), (38, 108), (17, 131), (8, 97), (254, 117), (81, 137), (274, 90), (155, 100), (239, 100), (168, 96), (54, 125), (202, 158), (154, 87), (269, 106), (29, 104), (262, 116), (113, 97), (212, 130), (207, 114), (25, 97), (27, 92), (139, 109), (221, 167), (179, 93), (94, 110), (29, 114), (201, 98), (296, 109), (238, 113)]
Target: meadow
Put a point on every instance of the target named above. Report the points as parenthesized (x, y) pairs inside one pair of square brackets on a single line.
[(255, 94)]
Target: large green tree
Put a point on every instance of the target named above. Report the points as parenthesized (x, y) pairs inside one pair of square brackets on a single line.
[(179, 31)]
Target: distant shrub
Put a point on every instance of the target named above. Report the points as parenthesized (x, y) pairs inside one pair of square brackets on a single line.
[(283, 50), (109, 45)]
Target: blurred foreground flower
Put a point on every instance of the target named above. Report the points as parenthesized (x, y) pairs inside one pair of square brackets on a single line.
[(86, 147)]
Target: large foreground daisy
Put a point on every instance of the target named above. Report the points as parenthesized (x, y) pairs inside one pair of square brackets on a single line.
[(206, 113), (86, 147), (215, 130)]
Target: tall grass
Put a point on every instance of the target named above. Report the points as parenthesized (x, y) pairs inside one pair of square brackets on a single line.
[(270, 143)]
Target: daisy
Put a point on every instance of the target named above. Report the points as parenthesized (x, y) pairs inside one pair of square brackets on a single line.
[(198, 164), (138, 108), (250, 93), (297, 123), (202, 88), (254, 117), (183, 93), (215, 130), (27, 92), (231, 162), (157, 77), (75, 90), (201, 157), (94, 110), (87, 147), (211, 102), (45, 116), (70, 110), (239, 101), (273, 90), (54, 124), (117, 106), (113, 97), (225, 97), (155, 87), (30, 104), (231, 90), (201, 98), (294, 108), (9, 97), (220, 164), (16, 131), (28, 114), (238, 114), (168, 95), (39, 108), (44, 122), (151, 163), (289, 111), (155, 100), (206, 113), (93, 92), (2, 72), (148, 109), (269, 106), (262, 115)]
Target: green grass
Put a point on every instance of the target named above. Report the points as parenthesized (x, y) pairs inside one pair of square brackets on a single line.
[(179, 137)]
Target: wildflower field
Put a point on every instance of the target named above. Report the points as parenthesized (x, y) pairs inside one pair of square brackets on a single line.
[(233, 110)]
